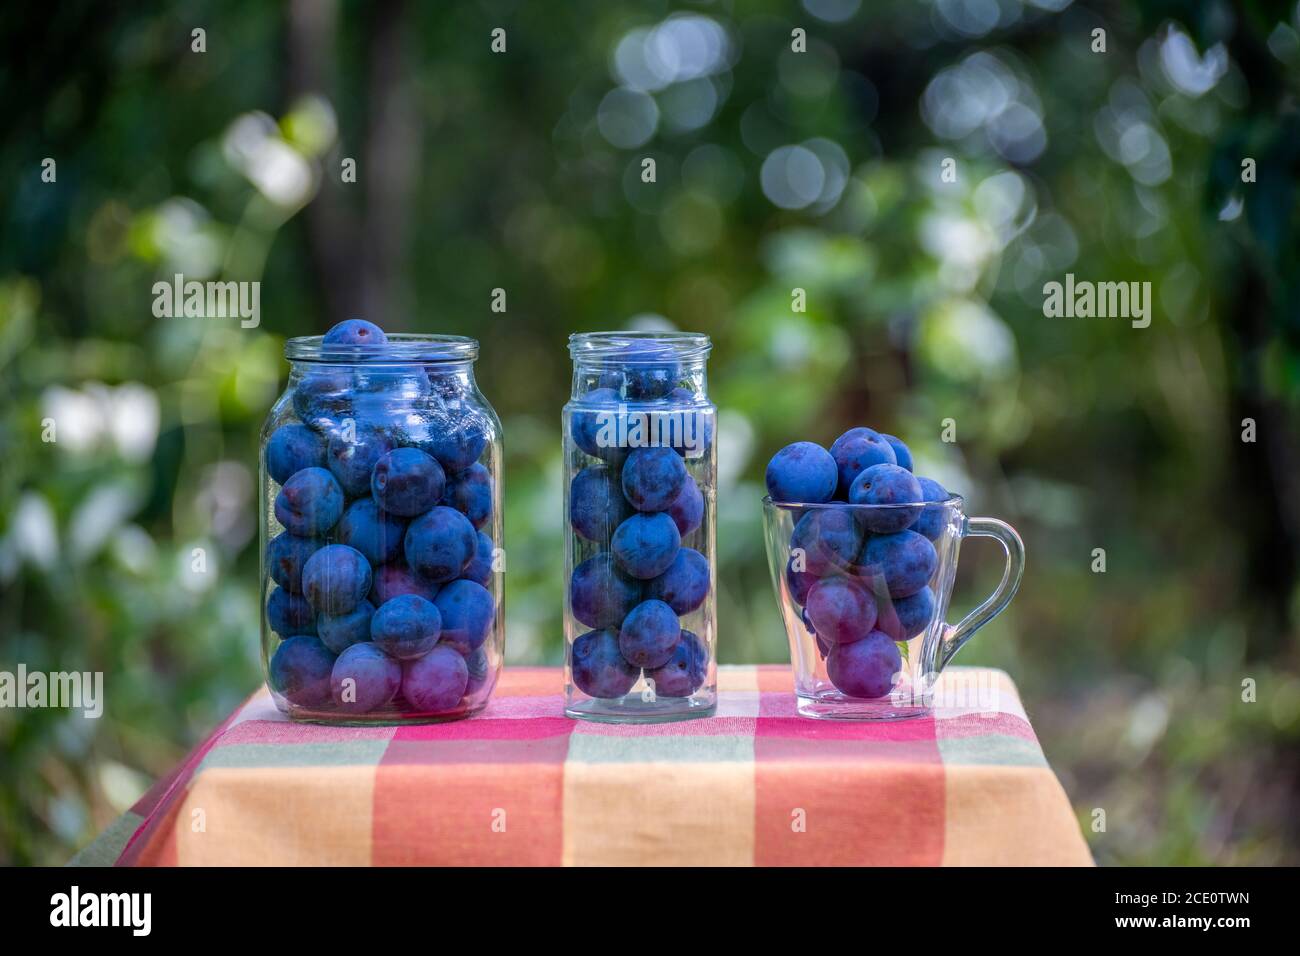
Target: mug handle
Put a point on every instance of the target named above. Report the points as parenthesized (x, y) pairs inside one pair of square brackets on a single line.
[(993, 605)]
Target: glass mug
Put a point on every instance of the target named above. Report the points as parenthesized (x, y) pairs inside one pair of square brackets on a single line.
[(885, 640)]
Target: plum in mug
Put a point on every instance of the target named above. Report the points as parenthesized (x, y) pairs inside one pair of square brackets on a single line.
[(863, 591)]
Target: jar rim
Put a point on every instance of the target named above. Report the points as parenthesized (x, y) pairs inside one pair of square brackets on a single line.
[(953, 500), (638, 347), (401, 346)]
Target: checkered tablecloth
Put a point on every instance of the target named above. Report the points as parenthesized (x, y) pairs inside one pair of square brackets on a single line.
[(523, 785)]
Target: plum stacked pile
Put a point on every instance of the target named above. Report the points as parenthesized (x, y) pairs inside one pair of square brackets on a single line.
[(381, 598), (638, 515), (860, 575)]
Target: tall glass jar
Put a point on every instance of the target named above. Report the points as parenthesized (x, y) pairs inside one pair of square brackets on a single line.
[(380, 532), (640, 478)]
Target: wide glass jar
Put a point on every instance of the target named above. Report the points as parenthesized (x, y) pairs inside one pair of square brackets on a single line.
[(640, 476), (380, 531)]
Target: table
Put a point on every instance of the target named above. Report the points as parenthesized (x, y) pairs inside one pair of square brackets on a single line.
[(523, 785)]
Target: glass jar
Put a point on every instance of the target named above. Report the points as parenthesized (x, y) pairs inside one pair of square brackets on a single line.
[(380, 472), (640, 478)]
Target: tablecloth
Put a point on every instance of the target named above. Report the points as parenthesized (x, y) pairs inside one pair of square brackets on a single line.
[(521, 784)]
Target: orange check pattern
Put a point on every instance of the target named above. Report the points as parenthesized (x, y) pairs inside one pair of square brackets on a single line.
[(522, 785)]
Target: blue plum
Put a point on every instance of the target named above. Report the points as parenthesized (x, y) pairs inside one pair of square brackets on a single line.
[(802, 471), (904, 618), (799, 582), (406, 627), (448, 385), (653, 478), (391, 400), (823, 647), (687, 509), (933, 516), (890, 489), (322, 396), (829, 540), (865, 668), (352, 454), (341, 631), (470, 493), (902, 454), (685, 671), (290, 449), (601, 595), (682, 395), (395, 578), (467, 612), (300, 671), (841, 609), (648, 383), (336, 579), (598, 666), (407, 482), (480, 670), (440, 543), (285, 556), (697, 424), (354, 332), (652, 370), (457, 439), (289, 614), (904, 561), (364, 678), (596, 503), (854, 452), (643, 370), (593, 425), (479, 569), (646, 544), (436, 682), (649, 634), (371, 530), (310, 503), (685, 585)]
